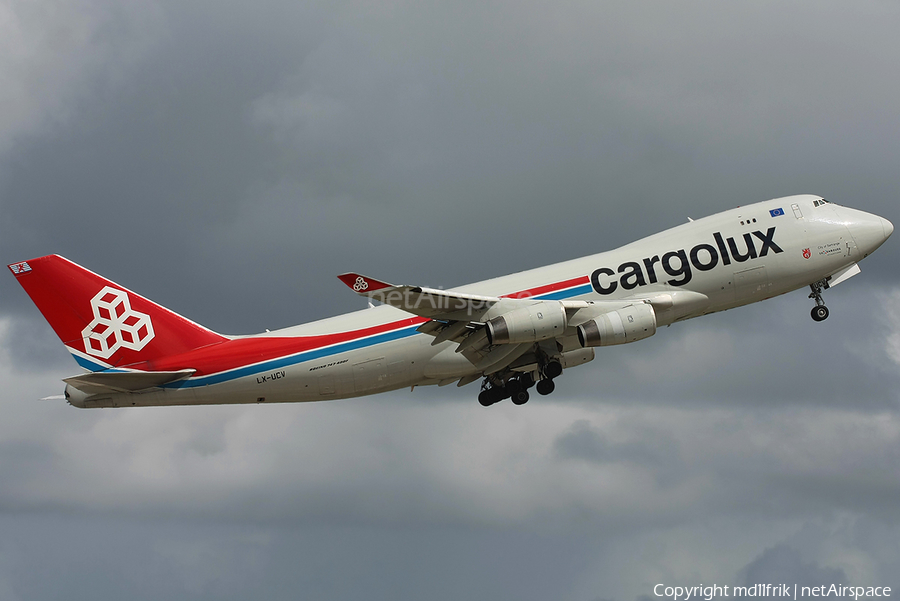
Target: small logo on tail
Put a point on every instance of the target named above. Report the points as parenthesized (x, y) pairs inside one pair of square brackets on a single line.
[(18, 268), (360, 284), (116, 325)]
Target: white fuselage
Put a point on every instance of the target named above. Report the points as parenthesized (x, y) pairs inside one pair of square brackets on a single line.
[(730, 259)]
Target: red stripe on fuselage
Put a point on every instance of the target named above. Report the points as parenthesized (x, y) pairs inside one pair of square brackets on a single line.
[(540, 290), (240, 352)]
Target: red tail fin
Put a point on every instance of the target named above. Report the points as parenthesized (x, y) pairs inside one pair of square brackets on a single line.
[(103, 324)]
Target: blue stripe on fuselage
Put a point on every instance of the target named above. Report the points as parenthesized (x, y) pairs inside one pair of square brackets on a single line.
[(353, 345), (294, 359), (88, 364), (567, 293)]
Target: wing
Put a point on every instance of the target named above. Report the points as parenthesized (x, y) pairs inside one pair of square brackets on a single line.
[(452, 316), (418, 300), (492, 332), (99, 382), (500, 335)]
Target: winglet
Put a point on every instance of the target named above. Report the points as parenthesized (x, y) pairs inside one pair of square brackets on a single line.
[(362, 284)]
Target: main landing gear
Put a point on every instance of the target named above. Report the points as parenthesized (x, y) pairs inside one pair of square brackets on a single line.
[(516, 388), (820, 311), (494, 390), (551, 370)]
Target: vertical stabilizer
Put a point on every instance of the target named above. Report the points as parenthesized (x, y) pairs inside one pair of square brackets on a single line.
[(101, 323)]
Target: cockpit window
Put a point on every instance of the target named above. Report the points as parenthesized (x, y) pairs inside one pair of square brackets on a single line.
[(821, 201)]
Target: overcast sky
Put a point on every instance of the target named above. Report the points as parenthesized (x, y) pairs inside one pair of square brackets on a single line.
[(228, 159)]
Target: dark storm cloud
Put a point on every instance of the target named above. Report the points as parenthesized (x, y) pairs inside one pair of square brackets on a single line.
[(227, 160)]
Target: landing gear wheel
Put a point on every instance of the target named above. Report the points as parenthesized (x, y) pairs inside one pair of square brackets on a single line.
[(492, 395), (819, 313), (526, 380), (520, 397), (545, 387), (552, 369)]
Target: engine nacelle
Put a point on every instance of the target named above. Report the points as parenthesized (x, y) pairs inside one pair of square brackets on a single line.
[(628, 324), (540, 321)]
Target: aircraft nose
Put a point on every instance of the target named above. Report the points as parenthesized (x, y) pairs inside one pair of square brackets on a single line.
[(887, 226), (870, 231)]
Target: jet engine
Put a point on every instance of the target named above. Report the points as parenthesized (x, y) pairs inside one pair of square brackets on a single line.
[(628, 324), (540, 321)]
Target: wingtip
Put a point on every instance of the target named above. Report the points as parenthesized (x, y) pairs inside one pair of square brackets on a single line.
[(362, 284)]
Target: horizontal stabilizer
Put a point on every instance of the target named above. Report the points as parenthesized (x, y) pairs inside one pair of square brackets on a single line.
[(124, 381)]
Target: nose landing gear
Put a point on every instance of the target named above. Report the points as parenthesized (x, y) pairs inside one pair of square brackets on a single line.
[(820, 311)]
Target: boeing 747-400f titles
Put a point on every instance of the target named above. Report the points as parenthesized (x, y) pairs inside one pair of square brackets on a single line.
[(512, 332)]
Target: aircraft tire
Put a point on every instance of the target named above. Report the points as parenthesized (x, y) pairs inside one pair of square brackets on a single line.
[(545, 387), (527, 381), (520, 397), (552, 369), (484, 398), (819, 313)]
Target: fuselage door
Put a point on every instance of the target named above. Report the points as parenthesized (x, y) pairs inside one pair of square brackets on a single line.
[(368, 375), (326, 385), (751, 284)]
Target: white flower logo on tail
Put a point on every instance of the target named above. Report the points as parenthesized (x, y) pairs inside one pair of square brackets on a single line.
[(116, 325), (360, 284)]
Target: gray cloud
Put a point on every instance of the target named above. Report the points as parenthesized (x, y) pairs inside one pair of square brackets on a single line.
[(783, 564), (648, 448)]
